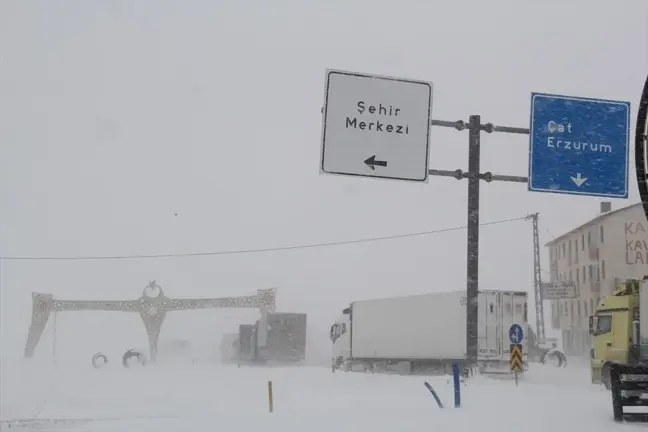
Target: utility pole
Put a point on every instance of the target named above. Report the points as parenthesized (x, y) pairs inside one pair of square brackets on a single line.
[(475, 127), (537, 280)]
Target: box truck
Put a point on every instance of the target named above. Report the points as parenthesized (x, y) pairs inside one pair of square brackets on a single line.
[(419, 333)]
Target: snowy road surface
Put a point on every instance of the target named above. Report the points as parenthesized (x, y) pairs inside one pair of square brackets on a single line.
[(160, 398)]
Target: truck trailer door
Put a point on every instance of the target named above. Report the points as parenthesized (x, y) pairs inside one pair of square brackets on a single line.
[(489, 325)]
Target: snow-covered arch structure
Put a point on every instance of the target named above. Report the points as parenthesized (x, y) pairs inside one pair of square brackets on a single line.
[(152, 307)]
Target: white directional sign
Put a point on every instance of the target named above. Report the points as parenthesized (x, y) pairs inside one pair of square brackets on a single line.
[(376, 126), (559, 290)]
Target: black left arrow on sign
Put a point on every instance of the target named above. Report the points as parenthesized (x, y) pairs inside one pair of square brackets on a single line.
[(372, 162)]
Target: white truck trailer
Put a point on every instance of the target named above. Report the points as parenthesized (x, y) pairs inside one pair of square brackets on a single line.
[(426, 332)]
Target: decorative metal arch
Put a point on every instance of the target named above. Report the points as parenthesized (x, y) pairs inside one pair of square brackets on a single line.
[(641, 139), (152, 306)]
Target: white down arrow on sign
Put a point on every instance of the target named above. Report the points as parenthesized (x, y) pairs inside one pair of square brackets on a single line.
[(579, 180)]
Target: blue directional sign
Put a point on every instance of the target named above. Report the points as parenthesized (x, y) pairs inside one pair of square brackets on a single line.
[(579, 146), (516, 334)]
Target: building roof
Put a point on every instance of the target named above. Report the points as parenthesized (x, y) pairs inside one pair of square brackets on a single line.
[(591, 222)]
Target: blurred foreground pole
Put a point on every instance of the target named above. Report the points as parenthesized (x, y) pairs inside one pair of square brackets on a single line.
[(457, 385), (641, 140)]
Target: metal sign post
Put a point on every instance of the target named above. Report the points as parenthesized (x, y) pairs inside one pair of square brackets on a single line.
[(562, 128), (377, 126), (516, 361), (475, 127)]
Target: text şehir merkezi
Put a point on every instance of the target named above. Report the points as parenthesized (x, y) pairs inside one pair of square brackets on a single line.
[(377, 125)]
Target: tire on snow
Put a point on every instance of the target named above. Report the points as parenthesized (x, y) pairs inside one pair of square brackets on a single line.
[(562, 358), (96, 360), (130, 354), (605, 376)]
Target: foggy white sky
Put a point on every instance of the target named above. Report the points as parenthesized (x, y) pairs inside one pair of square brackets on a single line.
[(115, 116)]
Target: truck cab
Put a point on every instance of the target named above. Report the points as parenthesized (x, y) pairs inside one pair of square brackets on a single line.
[(615, 331)]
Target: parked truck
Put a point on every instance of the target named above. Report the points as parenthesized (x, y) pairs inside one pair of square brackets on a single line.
[(425, 332), (279, 338), (619, 330)]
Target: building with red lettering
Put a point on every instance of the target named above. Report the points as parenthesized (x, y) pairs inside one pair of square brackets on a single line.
[(596, 256)]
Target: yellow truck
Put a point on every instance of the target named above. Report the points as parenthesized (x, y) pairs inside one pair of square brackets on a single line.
[(616, 330)]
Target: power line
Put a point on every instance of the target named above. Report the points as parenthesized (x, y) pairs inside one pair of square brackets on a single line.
[(249, 251)]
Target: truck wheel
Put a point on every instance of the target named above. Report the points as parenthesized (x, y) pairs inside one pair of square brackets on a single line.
[(605, 377)]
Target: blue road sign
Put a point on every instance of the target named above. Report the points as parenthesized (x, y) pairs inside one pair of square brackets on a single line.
[(579, 146), (516, 334)]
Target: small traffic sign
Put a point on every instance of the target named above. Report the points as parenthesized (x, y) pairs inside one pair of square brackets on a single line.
[(516, 334), (579, 146), (376, 126), (516, 362)]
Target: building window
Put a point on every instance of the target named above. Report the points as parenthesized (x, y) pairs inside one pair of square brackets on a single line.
[(570, 276), (578, 308), (585, 307), (565, 309), (577, 275), (583, 242), (576, 251), (602, 269), (570, 252), (591, 272), (589, 238), (592, 305), (584, 275), (601, 233), (564, 248), (598, 273), (571, 307)]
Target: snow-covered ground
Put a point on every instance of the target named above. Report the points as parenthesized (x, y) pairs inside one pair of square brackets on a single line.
[(210, 397)]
